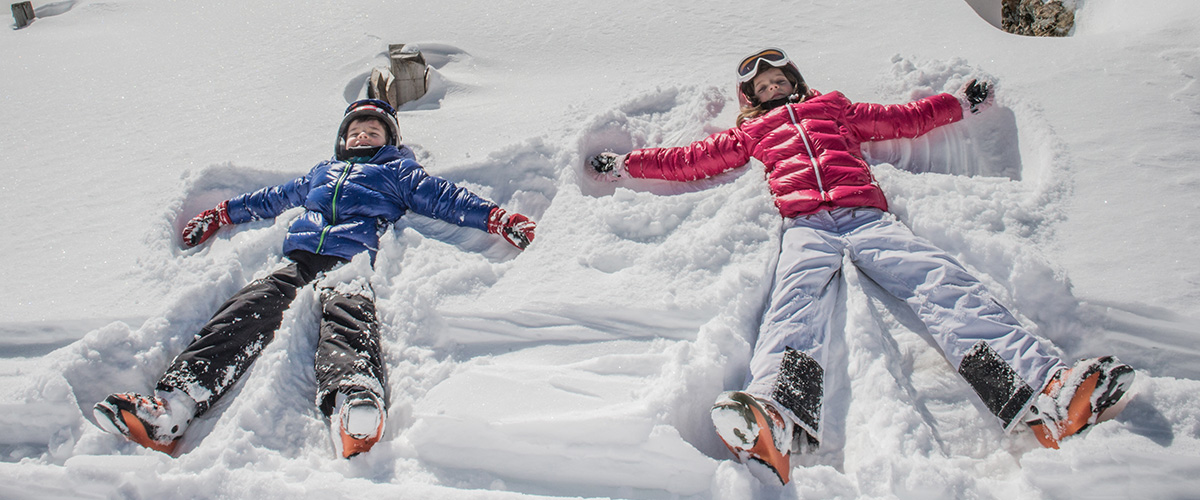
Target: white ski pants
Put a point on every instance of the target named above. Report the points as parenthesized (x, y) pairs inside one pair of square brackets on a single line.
[(979, 337)]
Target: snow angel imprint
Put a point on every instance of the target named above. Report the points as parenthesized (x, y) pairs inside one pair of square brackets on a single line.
[(832, 207), (348, 201)]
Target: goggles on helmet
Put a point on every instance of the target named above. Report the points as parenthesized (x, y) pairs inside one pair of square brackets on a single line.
[(364, 103), (749, 66)]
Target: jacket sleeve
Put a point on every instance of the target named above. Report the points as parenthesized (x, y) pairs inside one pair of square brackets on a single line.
[(269, 202), (704, 158), (441, 199), (877, 122)]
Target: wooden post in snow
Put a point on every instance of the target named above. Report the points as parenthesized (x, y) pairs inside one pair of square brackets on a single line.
[(406, 79), (23, 13), (410, 73)]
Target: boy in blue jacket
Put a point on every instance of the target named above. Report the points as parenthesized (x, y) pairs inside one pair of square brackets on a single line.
[(349, 202)]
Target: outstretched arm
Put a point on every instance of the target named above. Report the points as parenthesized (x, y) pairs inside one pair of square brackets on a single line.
[(704, 158), (876, 122), (441, 199), (265, 203), (879, 122)]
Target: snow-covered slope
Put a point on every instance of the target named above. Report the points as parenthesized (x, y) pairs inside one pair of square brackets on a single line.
[(585, 366)]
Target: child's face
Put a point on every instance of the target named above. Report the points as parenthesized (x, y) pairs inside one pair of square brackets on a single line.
[(365, 133), (771, 84)]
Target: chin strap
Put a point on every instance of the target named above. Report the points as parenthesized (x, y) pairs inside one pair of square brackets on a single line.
[(358, 155), (775, 103)]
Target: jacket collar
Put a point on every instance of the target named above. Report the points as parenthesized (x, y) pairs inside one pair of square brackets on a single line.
[(390, 153)]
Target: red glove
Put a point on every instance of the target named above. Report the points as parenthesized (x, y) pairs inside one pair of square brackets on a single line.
[(203, 226), (515, 228)]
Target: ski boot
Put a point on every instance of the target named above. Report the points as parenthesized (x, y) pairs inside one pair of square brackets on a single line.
[(1077, 398), (155, 422), (757, 433), (358, 423)]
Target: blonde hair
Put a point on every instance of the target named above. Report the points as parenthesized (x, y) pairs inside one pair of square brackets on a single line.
[(748, 113)]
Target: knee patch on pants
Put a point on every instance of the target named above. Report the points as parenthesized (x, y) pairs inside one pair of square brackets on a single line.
[(1002, 390), (800, 386)]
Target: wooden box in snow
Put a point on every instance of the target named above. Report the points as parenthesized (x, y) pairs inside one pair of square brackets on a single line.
[(23, 13), (405, 80)]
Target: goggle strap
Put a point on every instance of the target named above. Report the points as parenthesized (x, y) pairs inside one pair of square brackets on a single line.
[(381, 104)]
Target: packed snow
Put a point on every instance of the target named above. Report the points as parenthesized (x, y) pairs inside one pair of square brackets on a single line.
[(585, 366)]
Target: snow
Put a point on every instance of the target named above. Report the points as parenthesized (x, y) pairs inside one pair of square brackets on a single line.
[(585, 366)]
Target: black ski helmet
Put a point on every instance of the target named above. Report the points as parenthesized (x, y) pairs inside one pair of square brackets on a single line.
[(366, 108), (772, 57)]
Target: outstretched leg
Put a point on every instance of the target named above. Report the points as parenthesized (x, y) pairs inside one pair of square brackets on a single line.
[(351, 378), (780, 410), (230, 342), (1001, 360), (216, 359), (789, 357)]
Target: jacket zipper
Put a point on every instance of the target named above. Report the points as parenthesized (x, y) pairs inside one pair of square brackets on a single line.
[(811, 156), (337, 189)]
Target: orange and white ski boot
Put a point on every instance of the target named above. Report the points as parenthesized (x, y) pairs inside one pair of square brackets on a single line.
[(150, 421), (757, 433), (358, 423), (1079, 397)]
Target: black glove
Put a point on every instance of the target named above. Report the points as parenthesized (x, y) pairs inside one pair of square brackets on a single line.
[(607, 166), (977, 93)]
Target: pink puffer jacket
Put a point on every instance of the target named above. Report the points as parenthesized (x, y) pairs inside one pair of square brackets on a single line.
[(811, 150)]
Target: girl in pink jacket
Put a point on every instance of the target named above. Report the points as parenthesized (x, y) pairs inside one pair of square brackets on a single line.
[(810, 144)]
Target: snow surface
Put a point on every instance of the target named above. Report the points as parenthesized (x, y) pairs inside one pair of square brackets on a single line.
[(585, 366)]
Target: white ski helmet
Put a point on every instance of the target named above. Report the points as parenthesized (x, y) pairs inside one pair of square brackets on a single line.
[(366, 108)]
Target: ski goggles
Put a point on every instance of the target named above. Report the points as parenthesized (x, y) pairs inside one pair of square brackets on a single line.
[(749, 66), (383, 105)]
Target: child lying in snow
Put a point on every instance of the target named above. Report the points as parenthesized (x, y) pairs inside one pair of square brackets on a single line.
[(832, 207), (349, 202)]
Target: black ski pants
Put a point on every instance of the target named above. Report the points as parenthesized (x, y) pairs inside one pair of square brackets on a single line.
[(348, 356)]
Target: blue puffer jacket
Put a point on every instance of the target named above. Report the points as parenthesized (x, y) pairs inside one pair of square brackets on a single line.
[(349, 205)]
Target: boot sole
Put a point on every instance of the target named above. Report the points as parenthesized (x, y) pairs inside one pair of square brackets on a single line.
[(352, 446), (349, 445), (1087, 407), (754, 443)]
